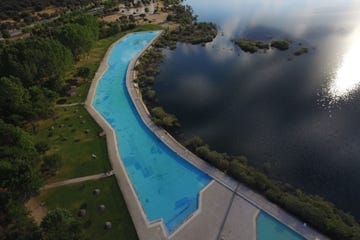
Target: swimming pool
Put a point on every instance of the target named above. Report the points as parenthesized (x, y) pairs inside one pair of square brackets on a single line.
[(268, 228), (166, 185)]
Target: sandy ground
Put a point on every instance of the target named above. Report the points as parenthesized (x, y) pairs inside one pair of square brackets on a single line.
[(37, 210), (155, 18), (48, 10)]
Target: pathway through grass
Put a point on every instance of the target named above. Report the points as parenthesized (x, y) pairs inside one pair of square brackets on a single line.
[(77, 196)]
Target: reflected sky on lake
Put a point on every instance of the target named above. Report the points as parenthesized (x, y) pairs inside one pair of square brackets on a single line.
[(347, 77), (300, 114), (297, 20)]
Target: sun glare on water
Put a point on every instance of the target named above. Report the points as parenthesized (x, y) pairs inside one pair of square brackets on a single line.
[(347, 76)]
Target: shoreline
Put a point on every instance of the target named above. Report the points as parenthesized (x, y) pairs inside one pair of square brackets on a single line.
[(156, 229), (226, 181)]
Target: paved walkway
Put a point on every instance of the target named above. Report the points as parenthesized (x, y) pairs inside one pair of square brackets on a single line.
[(69, 104), (78, 180), (227, 208)]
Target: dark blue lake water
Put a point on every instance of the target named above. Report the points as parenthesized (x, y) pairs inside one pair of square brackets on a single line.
[(300, 114)]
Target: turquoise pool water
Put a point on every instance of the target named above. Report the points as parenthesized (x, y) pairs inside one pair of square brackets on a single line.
[(268, 228), (166, 185)]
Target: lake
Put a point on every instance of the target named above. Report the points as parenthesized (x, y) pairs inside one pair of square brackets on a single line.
[(298, 114)]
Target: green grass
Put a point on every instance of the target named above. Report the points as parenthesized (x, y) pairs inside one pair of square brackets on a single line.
[(73, 197), (67, 137)]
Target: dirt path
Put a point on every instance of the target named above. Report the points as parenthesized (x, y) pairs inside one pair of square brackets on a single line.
[(37, 209), (78, 180), (68, 105)]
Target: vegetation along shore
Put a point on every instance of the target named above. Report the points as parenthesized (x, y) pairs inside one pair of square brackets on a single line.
[(312, 209)]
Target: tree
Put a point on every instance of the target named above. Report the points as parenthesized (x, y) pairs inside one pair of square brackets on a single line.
[(89, 22), (77, 38), (42, 101), (5, 33), (14, 98), (51, 164), (18, 158), (162, 118), (18, 103), (41, 62), (60, 224), (15, 220)]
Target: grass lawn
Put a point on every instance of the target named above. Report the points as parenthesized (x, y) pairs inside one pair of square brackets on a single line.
[(66, 133), (74, 197), (74, 135)]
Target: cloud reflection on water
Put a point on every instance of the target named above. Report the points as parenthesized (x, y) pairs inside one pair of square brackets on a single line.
[(267, 107), (347, 78)]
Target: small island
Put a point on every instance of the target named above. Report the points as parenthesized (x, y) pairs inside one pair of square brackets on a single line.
[(282, 45), (301, 51), (253, 46)]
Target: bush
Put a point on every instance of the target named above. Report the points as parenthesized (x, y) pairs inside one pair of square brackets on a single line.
[(51, 164), (83, 72), (251, 46), (301, 51), (42, 147), (280, 44), (162, 118)]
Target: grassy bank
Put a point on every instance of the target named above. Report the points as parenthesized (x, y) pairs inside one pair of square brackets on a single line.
[(74, 135), (77, 196)]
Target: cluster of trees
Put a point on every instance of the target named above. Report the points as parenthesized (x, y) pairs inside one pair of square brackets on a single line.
[(189, 30), (32, 74), (196, 33), (183, 14), (14, 9), (164, 119), (147, 69), (19, 180), (300, 51), (60, 224), (251, 46), (124, 23), (280, 44), (79, 32), (312, 209)]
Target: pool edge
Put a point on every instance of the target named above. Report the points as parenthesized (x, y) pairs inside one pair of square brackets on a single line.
[(142, 225)]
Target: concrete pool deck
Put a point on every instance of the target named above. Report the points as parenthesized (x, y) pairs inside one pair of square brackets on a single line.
[(227, 209)]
